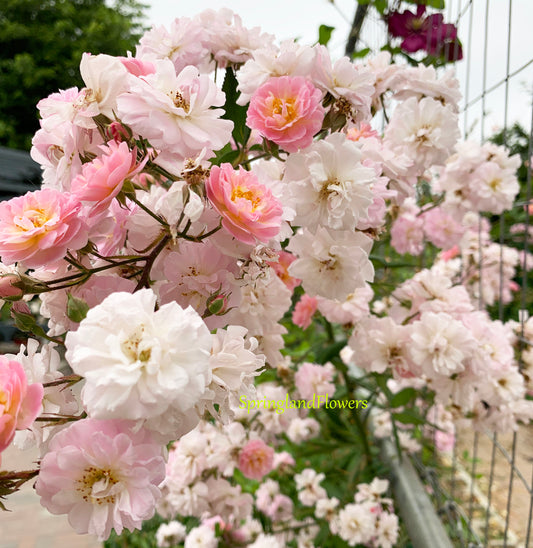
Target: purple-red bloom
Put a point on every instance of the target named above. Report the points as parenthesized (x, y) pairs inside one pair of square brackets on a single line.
[(425, 32)]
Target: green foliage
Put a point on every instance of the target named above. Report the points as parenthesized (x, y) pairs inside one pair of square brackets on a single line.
[(324, 34), (41, 44), (76, 308), (516, 140), (137, 539), (437, 4), (233, 111)]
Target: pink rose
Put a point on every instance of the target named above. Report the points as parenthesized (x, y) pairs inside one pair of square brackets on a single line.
[(39, 227), (19, 403), (102, 179), (105, 474), (287, 110), (248, 208), (304, 311), (281, 266), (256, 459)]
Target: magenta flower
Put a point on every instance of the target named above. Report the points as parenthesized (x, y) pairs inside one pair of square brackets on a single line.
[(425, 32)]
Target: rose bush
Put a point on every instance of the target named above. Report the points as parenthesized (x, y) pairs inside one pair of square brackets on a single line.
[(229, 270)]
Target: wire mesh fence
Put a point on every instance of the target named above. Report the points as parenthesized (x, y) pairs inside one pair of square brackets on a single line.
[(483, 491)]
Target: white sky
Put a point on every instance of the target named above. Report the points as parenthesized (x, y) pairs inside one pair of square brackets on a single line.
[(301, 18)]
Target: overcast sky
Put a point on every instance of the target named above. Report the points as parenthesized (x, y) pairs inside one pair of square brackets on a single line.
[(301, 18)]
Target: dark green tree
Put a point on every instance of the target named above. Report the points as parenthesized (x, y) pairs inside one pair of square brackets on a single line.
[(41, 44)]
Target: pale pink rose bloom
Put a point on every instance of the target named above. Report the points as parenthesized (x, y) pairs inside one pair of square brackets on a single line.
[(289, 59), (281, 269), (304, 311), (248, 208), (256, 459), (280, 509), (20, 403), (288, 111), (183, 45), (364, 131), (313, 379), (282, 460), (39, 227), (407, 234), (105, 78), (103, 474), (102, 179), (175, 112), (450, 253), (136, 66), (353, 84), (441, 229), (331, 263), (227, 40)]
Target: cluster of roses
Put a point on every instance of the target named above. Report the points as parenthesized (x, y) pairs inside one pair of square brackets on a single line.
[(174, 224)]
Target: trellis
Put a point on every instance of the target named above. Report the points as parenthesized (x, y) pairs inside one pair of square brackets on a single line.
[(468, 488)]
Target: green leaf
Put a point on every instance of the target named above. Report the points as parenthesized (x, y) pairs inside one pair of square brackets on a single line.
[(332, 350), (227, 154), (408, 417), (381, 5), (361, 53), (403, 397), (76, 308), (234, 112), (24, 322), (324, 34), (437, 4)]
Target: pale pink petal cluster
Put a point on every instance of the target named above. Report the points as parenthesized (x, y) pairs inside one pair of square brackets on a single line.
[(256, 459), (103, 474), (288, 111), (40, 227), (331, 264), (182, 44), (175, 111), (425, 130), (352, 85), (328, 185), (311, 379), (228, 40), (290, 59)]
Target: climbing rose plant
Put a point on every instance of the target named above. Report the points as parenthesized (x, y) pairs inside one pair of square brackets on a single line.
[(219, 263)]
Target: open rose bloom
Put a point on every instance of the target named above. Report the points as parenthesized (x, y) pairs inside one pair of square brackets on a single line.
[(20, 402), (224, 259)]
